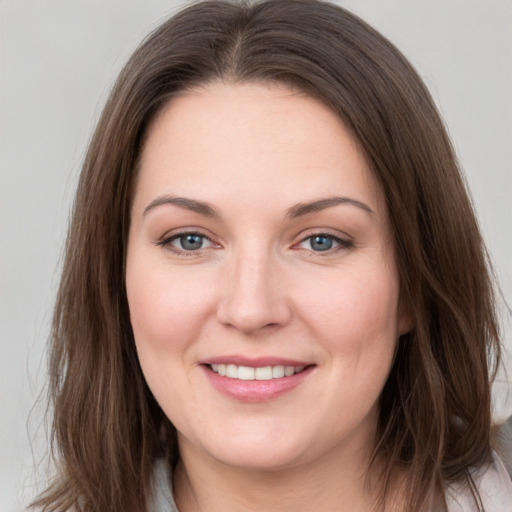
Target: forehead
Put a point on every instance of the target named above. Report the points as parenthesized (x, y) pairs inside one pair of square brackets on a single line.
[(257, 141)]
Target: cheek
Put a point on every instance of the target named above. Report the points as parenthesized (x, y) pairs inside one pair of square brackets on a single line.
[(166, 310), (167, 314), (355, 315)]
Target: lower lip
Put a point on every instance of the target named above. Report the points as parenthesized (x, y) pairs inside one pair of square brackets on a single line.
[(253, 391)]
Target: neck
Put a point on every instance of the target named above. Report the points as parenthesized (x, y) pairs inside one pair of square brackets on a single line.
[(340, 482)]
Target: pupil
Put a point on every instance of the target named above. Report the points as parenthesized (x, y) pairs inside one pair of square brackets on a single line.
[(321, 243), (190, 242)]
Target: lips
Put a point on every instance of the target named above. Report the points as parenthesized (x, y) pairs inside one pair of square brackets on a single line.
[(255, 380)]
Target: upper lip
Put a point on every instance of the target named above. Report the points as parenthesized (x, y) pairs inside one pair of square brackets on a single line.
[(255, 362)]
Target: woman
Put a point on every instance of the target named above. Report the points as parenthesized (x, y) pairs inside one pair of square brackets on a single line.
[(275, 289)]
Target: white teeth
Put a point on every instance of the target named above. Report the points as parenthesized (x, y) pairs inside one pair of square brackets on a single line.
[(245, 373), (232, 371), (289, 371), (278, 372), (262, 373)]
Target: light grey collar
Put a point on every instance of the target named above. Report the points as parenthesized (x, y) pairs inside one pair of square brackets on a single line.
[(162, 499)]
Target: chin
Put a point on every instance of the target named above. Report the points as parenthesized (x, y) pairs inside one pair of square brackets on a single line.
[(260, 461), (263, 453)]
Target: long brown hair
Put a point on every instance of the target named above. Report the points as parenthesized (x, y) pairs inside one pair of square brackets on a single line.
[(435, 408)]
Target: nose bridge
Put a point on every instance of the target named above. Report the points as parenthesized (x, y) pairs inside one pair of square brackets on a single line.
[(254, 296)]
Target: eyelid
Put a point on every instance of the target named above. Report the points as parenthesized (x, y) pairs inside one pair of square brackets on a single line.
[(344, 241), (166, 241)]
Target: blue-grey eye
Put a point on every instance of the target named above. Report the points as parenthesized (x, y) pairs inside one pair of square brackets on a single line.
[(190, 242), (321, 242)]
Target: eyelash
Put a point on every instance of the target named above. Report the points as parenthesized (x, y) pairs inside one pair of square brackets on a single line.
[(167, 243), (343, 244)]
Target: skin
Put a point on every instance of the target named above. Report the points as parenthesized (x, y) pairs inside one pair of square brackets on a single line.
[(258, 288)]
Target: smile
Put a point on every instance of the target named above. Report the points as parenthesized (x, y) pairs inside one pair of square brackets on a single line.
[(256, 380), (234, 371)]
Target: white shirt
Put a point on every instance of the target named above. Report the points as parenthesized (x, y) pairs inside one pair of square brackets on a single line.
[(495, 488), (493, 483)]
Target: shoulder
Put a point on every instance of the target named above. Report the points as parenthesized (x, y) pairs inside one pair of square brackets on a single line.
[(493, 484), (501, 437)]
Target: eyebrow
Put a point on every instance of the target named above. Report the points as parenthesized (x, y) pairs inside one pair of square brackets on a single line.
[(188, 204), (297, 210), (321, 204)]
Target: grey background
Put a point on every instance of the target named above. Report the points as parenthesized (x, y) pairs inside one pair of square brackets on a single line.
[(57, 62)]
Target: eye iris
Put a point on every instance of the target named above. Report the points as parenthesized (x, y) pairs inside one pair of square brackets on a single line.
[(321, 243), (191, 242)]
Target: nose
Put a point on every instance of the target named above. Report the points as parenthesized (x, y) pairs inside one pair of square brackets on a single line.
[(254, 298)]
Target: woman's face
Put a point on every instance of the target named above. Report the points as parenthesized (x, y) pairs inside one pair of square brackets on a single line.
[(261, 278)]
